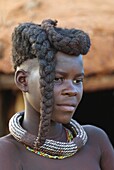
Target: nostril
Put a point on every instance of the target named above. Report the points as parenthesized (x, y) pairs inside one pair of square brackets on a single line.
[(69, 93), (72, 94)]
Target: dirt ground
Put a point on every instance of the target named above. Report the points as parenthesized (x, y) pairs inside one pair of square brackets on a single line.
[(94, 16)]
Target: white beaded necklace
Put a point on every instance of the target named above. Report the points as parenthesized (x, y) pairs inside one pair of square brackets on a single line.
[(53, 148)]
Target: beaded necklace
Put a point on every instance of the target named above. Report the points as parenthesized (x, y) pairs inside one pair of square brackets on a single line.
[(51, 148), (69, 139)]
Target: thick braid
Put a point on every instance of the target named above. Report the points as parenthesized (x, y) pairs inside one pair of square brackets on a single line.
[(47, 76), (46, 56), (69, 41), (20, 45)]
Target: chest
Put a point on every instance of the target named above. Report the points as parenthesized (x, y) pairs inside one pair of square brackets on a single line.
[(77, 162)]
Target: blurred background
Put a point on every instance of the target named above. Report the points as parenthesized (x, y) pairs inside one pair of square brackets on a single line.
[(95, 17)]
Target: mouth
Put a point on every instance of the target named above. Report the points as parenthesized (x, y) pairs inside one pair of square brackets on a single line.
[(67, 107)]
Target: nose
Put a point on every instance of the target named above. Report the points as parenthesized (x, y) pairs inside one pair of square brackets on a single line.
[(69, 89)]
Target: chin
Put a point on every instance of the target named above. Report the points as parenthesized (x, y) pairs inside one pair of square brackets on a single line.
[(66, 121), (62, 120)]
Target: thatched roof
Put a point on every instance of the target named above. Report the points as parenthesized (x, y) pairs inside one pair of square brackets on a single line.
[(95, 17)]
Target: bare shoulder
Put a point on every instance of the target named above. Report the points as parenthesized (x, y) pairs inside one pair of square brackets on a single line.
[(98, 138), (7, 143), (9, 152), (97, 134)]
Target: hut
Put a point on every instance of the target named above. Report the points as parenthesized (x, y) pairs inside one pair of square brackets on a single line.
[(96, 18)]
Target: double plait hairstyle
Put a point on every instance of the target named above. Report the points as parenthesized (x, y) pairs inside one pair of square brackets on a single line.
[(30, 40)]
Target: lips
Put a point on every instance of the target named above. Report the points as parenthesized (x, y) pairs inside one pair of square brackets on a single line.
[(67, 107), (67, 104)]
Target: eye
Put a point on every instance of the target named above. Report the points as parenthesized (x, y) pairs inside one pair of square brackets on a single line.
[(77, 81), (58, 80)]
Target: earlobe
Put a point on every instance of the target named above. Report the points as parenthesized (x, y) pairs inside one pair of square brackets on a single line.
[(21, 80)]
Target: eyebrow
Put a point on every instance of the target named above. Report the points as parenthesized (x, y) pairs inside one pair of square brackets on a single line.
[(65, 74)]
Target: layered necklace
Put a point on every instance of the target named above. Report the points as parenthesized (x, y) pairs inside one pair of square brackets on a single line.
[(76, 139)]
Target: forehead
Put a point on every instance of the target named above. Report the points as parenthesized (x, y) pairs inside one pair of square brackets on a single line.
[(63, 60)]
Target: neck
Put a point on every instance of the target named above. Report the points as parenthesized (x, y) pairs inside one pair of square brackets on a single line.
[(57, 132), (31, 124)]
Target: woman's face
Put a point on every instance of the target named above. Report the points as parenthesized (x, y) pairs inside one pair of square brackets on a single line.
[(68, 87)]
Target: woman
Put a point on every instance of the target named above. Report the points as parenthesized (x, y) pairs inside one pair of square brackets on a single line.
[(49, 71)]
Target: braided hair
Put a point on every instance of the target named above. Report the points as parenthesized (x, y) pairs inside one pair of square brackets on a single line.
[(43, 41)]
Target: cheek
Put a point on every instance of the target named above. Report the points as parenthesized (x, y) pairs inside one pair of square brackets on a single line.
[(56, 92), (80, 92)]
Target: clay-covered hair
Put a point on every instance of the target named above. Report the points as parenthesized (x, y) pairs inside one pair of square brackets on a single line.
[(30, 40)]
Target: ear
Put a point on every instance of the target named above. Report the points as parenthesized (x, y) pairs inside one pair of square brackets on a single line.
[(21, 80)]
